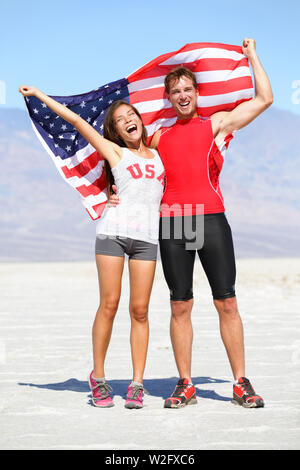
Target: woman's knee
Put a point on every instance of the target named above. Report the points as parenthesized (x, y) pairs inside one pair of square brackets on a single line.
[(109, 306), (139, 312)]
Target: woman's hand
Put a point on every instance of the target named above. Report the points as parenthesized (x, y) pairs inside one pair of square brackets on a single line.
[(28, 90)]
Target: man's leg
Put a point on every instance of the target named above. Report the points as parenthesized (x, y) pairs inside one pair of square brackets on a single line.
[(217, 257), (181, 331), (231, 329), (178, 264), (218, 260)]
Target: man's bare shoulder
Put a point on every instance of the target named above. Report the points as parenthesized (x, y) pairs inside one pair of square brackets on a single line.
[(155, 139)]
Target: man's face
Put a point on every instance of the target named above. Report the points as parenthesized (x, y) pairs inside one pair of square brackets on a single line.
[(183, 97)]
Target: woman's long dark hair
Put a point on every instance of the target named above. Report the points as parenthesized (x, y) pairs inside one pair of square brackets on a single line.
[(110, 133)]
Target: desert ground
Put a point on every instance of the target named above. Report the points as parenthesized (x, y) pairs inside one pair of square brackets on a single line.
[(46, 315)]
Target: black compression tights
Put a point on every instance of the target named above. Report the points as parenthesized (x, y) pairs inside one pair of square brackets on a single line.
[(216, 256)]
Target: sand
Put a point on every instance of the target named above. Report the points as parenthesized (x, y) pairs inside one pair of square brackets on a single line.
[(46, 315)]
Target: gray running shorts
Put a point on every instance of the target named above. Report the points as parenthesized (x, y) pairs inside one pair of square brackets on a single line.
[(118, 246)]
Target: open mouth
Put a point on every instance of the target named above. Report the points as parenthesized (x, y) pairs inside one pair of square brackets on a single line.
[(185, 104), (131, 128)]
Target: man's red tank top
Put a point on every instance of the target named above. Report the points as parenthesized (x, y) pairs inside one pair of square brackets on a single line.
[(193, 163)]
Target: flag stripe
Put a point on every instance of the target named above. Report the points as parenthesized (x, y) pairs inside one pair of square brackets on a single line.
[(88, 179), (92, 189), (197, 66), (205, 53), (96, 211), (82, 168), (230, 86)]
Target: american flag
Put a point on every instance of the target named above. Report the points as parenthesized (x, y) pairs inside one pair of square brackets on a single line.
[(224, 81)]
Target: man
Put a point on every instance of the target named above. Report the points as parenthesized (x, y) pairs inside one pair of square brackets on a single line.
[(191, 151)]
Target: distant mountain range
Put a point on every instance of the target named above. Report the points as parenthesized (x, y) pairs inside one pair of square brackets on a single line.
[(42, 218)]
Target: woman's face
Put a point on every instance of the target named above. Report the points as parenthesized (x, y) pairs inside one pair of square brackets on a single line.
[(127, 124)]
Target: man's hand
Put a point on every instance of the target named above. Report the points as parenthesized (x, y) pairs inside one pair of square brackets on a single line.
[(249, 48), (113, 199)]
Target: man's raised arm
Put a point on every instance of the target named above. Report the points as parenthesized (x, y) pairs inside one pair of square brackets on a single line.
[(224, 123)]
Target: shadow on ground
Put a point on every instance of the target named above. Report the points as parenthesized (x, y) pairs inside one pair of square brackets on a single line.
[(156, 387)]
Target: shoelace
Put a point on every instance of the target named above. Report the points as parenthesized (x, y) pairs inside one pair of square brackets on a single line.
[(246, 385), (104, 389), (180, 387), (136, 390)]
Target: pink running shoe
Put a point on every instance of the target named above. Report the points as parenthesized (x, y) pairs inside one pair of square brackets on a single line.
[(100, 393), (134, 399)]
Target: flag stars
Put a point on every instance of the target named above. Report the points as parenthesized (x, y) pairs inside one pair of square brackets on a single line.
[(95, 123), (82, 104), (68, 148), (36, 111), (60, 137), (94, 109), (64, 127)]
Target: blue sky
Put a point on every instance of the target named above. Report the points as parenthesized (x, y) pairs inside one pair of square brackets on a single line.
[(69, 47)]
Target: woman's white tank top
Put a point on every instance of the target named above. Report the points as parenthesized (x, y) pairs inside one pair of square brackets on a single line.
[(140, 184)]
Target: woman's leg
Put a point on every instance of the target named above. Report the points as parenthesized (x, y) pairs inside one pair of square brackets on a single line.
[(110, 270), (141, 280)]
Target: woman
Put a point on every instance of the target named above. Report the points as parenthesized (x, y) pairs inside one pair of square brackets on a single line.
[(131, 228)]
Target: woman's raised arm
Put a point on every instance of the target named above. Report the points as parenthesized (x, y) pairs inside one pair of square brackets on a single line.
[(109, 150)]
